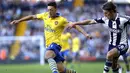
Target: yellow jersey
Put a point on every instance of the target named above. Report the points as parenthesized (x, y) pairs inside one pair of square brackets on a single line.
[(65, 41), (75, 44), (53, 28)]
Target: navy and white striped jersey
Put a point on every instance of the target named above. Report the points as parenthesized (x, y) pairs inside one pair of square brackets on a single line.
[(117, 28)]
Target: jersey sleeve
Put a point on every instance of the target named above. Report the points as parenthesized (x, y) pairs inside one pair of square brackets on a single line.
[(100, 20), (65, 22), (129, 21), (126, 19), (41, 16)]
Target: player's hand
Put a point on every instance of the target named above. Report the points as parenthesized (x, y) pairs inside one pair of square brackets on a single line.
[(14, 22), (88, 36)]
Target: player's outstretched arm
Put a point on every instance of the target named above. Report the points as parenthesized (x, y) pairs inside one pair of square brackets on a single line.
[(30, 17), (84, 22), (81, 30)]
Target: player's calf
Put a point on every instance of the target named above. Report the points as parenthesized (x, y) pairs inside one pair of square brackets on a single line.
[(112, 53), (50, 58)]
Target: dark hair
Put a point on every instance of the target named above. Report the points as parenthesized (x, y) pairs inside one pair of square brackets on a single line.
[(109, 6), (52, 4)]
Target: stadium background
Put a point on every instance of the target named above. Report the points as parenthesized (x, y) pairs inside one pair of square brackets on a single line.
[(24, 57)]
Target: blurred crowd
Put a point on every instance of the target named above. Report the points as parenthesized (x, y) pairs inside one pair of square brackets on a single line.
[(90, 47)]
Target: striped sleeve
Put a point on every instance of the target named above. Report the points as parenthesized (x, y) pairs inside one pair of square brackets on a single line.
[(129, 21)]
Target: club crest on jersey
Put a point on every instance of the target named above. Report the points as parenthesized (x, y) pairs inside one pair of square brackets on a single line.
[(56, 22)]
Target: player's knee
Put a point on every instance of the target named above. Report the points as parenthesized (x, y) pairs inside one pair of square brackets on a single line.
[(109, 56), (49, 54)]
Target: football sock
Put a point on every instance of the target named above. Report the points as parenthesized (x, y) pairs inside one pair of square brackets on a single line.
[(116, 70), (53, 65), (107, 66)]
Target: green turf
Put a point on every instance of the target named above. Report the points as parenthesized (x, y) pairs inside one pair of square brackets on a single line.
[(91, 67)]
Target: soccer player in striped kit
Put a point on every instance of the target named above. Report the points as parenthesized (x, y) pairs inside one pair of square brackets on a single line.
[(118, 43)]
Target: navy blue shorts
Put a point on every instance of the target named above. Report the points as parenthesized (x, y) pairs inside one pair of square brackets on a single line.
[(65, 53), (56, 48), (122, 48)]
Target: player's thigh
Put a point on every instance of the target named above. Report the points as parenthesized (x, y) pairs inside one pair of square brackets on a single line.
[(60, 66), (113, 53), (52, 50), (49, 54)]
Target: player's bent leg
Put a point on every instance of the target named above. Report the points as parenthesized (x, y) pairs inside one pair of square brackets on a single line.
[(50, 58), (116, 55), (109, 59), (51, 55)]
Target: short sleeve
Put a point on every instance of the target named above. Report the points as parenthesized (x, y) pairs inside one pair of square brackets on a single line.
[(129, 21), (100, 20), (126, 19), (41, 16), (65, 22)]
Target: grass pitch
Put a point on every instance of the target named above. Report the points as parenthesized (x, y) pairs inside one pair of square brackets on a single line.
[(87, 67)]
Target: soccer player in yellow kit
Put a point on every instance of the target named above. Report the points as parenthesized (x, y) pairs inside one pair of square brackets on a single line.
[(54, 25)]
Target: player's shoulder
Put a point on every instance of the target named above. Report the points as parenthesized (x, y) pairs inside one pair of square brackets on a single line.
[(124, 17), (62, 18), (44, 14)]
